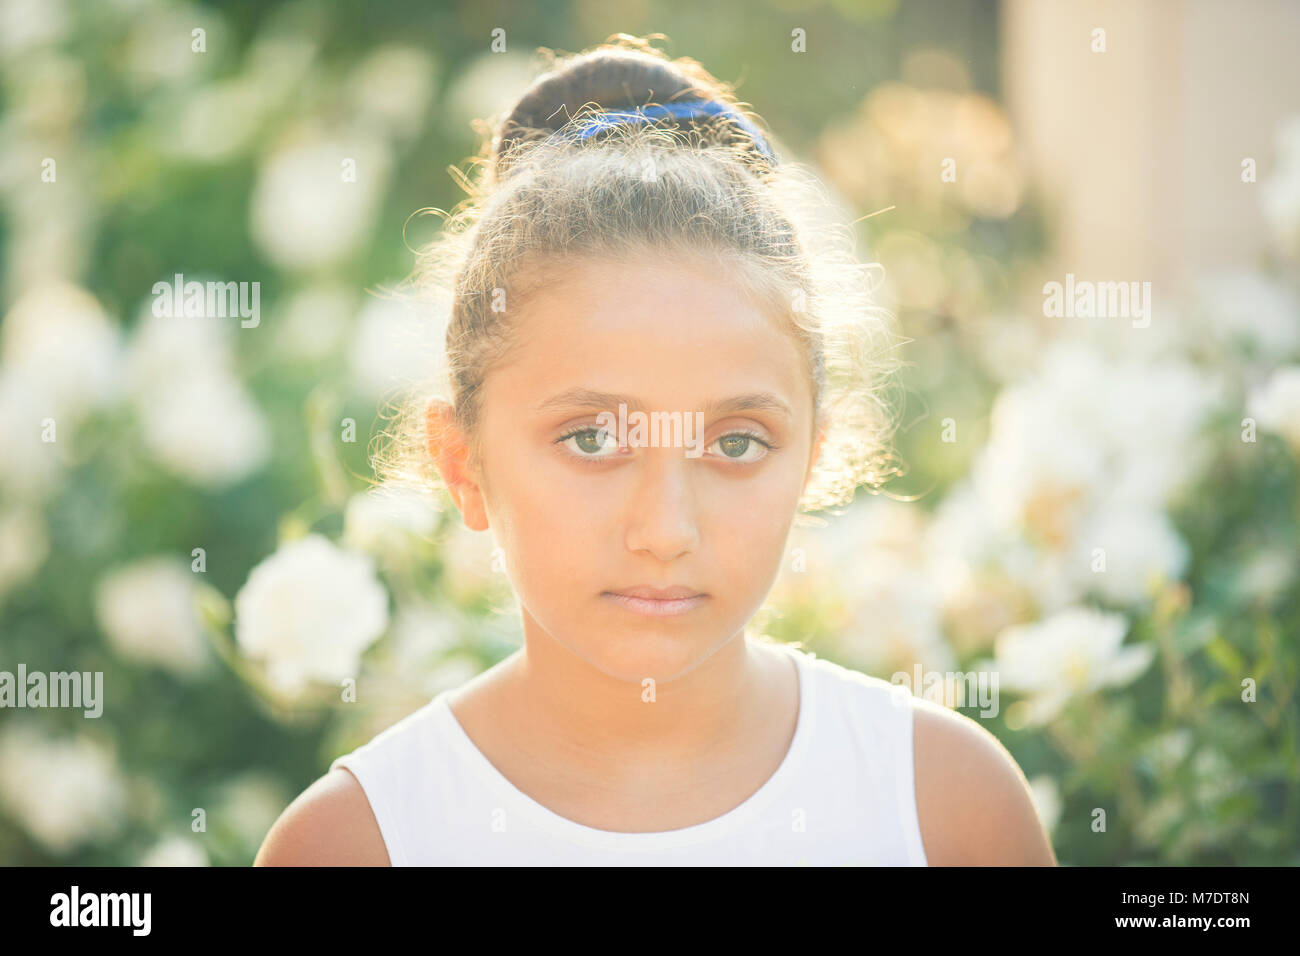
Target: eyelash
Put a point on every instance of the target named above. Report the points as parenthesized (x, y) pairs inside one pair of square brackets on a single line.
[(742, 432)]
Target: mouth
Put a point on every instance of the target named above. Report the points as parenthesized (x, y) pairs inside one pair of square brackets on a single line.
[(657, 602)]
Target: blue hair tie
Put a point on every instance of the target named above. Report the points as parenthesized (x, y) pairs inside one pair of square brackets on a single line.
[(687, 109)]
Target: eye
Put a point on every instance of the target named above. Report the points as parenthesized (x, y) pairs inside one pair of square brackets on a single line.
[(589, 443), (743, 447)]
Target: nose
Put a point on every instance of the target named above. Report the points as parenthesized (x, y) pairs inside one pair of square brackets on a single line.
[(662, 518)]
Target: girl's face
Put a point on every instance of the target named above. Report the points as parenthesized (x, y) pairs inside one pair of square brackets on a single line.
[(583, 519)]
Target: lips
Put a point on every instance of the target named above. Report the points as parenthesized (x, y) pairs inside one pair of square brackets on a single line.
[(676, 593), (657, 602)]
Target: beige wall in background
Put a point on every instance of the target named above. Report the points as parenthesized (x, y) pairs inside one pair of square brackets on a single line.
[(1138, 150)]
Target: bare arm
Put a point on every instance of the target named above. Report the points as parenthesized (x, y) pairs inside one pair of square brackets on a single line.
[(329, 824), (974, 804)]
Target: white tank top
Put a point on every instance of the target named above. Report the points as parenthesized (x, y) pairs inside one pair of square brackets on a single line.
[(843, 795)]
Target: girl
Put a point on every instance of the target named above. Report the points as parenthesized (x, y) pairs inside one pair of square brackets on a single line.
[(650, 254)]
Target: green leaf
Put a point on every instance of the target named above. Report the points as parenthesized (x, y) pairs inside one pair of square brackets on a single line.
[(1226, 657)]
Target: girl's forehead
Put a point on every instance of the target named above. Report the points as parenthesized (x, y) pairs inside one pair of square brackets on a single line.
[(648, 306), (682, 278), (651, 344), (656, 332), (752, 374)]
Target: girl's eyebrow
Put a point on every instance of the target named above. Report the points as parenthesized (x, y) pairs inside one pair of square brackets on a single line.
[(589, 398)]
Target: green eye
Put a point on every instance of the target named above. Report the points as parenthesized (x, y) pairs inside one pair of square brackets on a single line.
[(733, 446), (589, 443), (743, 447)]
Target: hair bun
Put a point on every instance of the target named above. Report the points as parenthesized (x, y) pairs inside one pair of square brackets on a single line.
[(622, 75)]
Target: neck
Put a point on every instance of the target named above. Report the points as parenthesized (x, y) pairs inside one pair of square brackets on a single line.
[(611, 728)]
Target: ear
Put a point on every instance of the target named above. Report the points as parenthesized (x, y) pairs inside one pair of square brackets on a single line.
[(450, 452)]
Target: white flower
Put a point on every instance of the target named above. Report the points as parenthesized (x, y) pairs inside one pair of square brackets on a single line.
[(232, 105), (393, 85), (198, 419), (248, 805), (961, 528), (61, 359), (1007, 345), (1266, 575), (58, 342), (423, 636), (1247, 308), (158, 47), (1089, 433), (169, 347), (1046, 575), (472, 564), (206, 429), (1280, 201), (875, 523), (281, 61), (309, 611), (386, 518), (24, 546), (483, 86), (424, 629), (29, 466), (873, 562), (1137, 543), (1151, 416), (895, 614), (315, 199), (51, 230), (395, 345), (1169, 750), (1276, 406), (1143, 414), (48, 98), (31, 23), (1039, 467), (1074, 652), (147, 610), (64, 792), (313, 321), (985, 575), (1280, 193), (175, 850)]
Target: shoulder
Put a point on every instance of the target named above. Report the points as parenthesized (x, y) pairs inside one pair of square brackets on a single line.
[(973, 803), (329, 824)]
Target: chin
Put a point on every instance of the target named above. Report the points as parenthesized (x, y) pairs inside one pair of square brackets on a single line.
[(661, 655)]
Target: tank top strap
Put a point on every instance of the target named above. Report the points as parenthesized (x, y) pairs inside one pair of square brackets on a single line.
[(868, 723), (399, 770)]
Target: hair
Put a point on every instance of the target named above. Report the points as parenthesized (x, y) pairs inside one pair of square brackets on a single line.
[(542, 203)]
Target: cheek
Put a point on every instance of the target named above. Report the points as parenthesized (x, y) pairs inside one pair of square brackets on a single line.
[(747, 524), (544, 523)]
